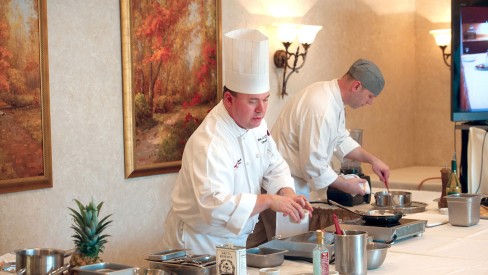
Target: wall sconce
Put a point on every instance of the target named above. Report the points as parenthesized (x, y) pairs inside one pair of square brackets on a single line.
[(288, 33), (442, 39)]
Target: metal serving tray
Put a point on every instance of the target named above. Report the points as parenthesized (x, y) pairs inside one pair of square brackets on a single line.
[(167, 254), (105, 268), (188, 265), (300, 247), (264, 257)]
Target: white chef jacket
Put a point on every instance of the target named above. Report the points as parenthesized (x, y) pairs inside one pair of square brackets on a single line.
[(308, 131), (223, 170)]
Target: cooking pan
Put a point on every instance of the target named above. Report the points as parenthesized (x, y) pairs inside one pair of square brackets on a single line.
[(378, 217), (41, 260), (393, 198)]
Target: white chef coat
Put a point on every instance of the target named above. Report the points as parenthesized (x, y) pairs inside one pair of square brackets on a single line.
[(308, 131), (223, 170)]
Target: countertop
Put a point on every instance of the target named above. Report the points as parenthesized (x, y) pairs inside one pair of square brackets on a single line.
[(444, 249)]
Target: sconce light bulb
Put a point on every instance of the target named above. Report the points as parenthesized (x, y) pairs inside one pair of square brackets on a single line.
[(285, 59), (287, 32), (442, 36), (307, 33)]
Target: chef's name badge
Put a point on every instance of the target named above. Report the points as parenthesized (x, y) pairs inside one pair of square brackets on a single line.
[(231, 260)]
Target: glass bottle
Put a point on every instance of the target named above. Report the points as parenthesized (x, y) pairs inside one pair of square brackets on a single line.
[(453, 185), (320, 256), (471, 32), (445, 174)]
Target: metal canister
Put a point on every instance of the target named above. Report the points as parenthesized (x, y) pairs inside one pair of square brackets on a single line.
[(350, 252), (231, 260)]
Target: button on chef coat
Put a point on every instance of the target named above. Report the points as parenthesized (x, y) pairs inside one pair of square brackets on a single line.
[(223, 170), (309, 130)]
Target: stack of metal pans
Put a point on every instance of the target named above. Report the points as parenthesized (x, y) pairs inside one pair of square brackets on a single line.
[(177, 261)]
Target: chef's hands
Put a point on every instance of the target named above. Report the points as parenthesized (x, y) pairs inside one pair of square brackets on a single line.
[(286, 202), (351, 184), (382, 170), (379, 167), (289, 207), (298, 199)]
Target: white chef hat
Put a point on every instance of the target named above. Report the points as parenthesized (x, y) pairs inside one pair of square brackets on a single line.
[(246, 61)]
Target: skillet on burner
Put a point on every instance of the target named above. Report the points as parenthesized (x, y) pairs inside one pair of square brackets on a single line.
[(379, 217)]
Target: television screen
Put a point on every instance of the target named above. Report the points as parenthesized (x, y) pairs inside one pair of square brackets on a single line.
[(469, 91)]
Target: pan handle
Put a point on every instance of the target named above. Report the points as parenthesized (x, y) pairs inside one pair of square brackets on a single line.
[(59, 270), (69, 252), (343, 207), (393, 239)]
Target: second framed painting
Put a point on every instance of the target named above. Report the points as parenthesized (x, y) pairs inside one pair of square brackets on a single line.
[(171, 70)]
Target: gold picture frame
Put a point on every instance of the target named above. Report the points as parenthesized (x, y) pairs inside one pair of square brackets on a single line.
[(25, 138), (172, 75)]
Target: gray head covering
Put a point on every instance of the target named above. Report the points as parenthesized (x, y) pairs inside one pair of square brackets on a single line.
[(368, 74)]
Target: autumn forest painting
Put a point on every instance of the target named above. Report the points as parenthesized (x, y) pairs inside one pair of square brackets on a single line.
[(21, 136), (174, 74)]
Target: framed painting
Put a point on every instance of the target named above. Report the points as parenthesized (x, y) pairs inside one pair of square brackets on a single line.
[(25, 133), (171, 71)]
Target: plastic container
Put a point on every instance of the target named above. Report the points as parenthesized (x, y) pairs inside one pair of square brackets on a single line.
[(463, 209), (349, 166), (286, 227)]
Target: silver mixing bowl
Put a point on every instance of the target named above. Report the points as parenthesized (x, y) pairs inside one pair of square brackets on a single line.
[(376, 254)]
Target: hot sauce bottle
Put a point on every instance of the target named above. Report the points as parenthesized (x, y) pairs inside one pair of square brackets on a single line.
[(320, 256)]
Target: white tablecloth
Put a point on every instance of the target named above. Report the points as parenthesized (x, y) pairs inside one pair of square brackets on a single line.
[(444, 249)]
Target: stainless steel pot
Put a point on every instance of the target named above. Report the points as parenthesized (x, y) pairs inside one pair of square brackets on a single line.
[(393, 198), (40, 261)]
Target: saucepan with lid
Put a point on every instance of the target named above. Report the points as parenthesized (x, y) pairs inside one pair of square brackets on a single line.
[(374, 217)]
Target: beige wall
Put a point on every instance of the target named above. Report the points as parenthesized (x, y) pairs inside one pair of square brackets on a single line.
[(434, 132), (408, 124)]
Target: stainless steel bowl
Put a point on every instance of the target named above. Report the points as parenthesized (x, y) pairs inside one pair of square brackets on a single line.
[(393, 198), (376, 254), (264, 257)]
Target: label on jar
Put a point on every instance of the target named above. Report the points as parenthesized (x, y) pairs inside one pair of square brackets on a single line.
[(231, 260)]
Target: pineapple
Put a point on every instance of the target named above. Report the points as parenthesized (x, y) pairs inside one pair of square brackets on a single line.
[(87, 238)]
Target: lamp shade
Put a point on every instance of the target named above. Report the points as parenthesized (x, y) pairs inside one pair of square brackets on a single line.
[(307, 33), (287, 32), (442, 36)]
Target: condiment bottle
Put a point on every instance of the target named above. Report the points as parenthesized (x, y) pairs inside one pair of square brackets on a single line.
[(320, 256), (453, 186), (445, 174)]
